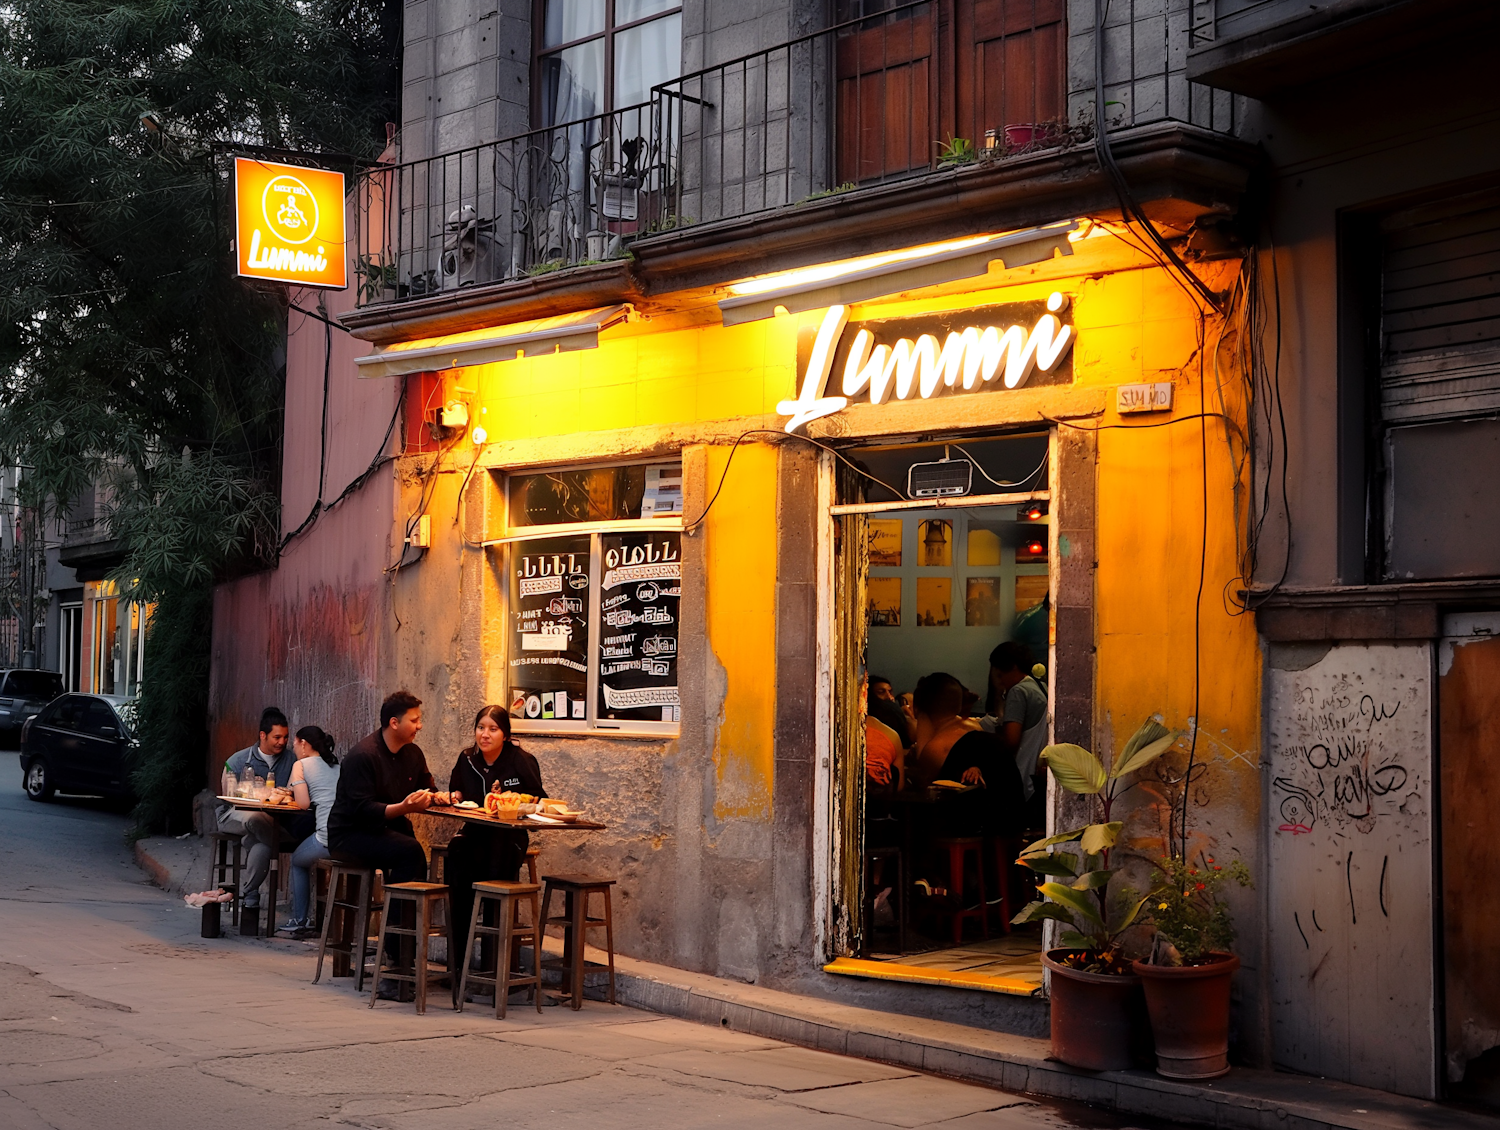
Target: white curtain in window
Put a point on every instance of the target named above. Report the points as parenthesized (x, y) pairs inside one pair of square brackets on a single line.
[(645, 56), (568, 20)]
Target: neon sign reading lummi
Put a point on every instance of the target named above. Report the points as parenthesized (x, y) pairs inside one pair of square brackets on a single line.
[(967, 360)]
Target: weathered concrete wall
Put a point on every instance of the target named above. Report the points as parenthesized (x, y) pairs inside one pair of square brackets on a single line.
[(307, 636), (466, 74), (1352, 820)]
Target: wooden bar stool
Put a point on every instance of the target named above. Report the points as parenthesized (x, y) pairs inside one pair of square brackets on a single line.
[(277, 879), (959, 849), (424, 899), (898, 889), (224, 869), (506, 898), (346, 921), (1006, 849), (321, 869), (575, 921), (437, 863), (531, 854)]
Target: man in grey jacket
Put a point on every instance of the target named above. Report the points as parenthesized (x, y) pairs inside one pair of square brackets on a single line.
[(268, 758)]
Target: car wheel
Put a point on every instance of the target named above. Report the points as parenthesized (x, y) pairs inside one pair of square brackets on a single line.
[(38, 783)]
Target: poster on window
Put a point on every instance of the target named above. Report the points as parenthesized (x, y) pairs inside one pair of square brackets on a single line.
[(549, 609), (640, 592)]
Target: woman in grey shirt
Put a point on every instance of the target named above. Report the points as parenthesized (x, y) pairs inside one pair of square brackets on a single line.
[(314, 781)]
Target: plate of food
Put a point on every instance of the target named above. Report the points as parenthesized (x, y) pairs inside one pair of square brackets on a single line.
[(466, 804)]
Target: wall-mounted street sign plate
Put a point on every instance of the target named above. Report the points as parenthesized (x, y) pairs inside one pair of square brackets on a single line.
[(289, 224), (1144, 398)]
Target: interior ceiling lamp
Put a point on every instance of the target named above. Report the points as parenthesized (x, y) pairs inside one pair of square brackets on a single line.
[(876, 276), (523, 339)]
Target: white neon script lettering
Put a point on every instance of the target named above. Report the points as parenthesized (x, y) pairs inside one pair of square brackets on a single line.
[(910, 369), (283, 259)]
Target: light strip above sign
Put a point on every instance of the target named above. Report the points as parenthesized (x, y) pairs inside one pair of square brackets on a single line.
[(967, 261), (525, 339)]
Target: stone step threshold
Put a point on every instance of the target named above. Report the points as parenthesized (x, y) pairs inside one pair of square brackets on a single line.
[(1245, 1099), (894, 970)]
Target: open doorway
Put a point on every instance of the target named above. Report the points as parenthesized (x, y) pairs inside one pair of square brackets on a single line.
[(944, 564)]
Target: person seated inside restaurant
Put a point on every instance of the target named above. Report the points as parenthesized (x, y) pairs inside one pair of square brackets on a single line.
[(1016, 712), (384, 778), (883, 705), (951, 746), (262, 838), (493, 763), (314, 783)]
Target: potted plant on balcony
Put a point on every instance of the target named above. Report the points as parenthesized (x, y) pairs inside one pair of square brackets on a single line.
[(1096, 996), (377, 279), (1187, 977)]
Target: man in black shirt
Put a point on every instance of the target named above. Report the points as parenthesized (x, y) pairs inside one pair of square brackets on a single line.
[(381, 779)]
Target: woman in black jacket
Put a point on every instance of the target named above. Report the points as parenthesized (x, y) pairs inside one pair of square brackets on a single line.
[(479, 854)]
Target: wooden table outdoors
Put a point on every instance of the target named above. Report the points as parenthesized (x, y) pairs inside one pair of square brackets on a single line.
[(480, 816)]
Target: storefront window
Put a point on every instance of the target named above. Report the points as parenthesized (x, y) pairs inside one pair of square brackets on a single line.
[(594, 612), (119, 645)]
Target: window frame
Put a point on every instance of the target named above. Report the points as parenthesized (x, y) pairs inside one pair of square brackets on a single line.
[(515, 536), (608, 33)]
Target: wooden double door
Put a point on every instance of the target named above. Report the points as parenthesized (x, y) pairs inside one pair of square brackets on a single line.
[(913, 79)]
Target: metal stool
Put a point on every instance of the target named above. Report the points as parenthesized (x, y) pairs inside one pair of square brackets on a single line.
[(224, 871), (423, 898), (506, 898), (346, 921), (575, 921), (958, 849)]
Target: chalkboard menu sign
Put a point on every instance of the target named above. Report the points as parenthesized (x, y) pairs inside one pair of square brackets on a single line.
[(640, 591), (550, 604)]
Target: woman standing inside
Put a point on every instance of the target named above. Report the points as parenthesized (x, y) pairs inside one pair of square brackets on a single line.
[(478, 854), (314, 781)]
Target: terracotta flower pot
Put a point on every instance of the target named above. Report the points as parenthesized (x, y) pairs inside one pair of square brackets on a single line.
[(1189, 1007), (1096, 1017)]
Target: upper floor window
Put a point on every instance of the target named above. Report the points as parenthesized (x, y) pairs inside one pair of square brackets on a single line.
[(597, 56), (1432, 273)]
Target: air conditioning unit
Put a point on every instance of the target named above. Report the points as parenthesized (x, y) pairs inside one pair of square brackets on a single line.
[(947, 478)]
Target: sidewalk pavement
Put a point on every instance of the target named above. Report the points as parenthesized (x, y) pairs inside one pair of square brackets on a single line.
[(1246, 1099)]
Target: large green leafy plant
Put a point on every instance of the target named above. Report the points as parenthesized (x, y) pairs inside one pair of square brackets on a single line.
[(1076, 890)]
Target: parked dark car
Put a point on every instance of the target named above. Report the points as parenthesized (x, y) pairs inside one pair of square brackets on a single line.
[(79, 743), (22, 696)]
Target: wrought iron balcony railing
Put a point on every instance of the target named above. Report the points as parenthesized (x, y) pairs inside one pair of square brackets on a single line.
[(892, 90)]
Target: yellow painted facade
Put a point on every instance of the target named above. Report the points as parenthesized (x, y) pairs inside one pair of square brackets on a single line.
[(1163, 642)]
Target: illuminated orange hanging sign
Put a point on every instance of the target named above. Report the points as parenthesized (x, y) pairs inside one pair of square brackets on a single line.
[(289, 224)]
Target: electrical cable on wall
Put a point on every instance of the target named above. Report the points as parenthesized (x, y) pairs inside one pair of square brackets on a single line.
[(1128, 204), (312, 515)]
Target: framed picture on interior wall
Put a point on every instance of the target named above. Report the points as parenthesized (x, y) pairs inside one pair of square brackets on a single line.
[(982, 602), (883, 602), (934, 601), (935, 542), (885, 542)]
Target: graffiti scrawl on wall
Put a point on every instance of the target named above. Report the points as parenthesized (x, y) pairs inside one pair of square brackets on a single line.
[(1350, 884)]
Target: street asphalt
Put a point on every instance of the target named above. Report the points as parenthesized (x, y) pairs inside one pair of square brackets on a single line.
[(115, 1014)]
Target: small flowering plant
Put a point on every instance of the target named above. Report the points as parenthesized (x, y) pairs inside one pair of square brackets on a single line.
[(1186, 907)]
